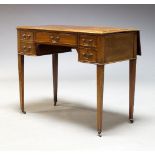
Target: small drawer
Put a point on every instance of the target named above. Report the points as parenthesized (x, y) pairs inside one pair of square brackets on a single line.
[(88, 40), (26, 35), (56, 38), (87, 54), (27, 48)]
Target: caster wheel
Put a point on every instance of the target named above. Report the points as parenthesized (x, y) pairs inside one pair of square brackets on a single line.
[(24, 112), (131, 120), (99, 133)]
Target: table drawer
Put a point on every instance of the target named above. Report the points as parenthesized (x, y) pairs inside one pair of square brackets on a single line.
[(56, 38), (26, 35), (88, 40), (87, 54), (27, 48)]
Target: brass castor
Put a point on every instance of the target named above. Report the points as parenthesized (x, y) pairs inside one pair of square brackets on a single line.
[(55, 103), (100, 133), (131, 120), (24, 112)]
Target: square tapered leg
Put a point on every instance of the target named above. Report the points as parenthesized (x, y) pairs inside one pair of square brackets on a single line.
[(21, 80), (100, 82), (132, 79), (55, 76)]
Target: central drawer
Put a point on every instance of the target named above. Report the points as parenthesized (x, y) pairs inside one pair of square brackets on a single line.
[(62, 38)]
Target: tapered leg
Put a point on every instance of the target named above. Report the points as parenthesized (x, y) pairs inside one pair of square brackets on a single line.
[(100, 82), (132, 78), (55, 76), (21, 80)]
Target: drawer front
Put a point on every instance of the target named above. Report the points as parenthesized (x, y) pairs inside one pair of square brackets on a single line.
[(57, 38), (88, 40), (26, 36), (42, 37), (87, 54), (27, 48), (67, 38)]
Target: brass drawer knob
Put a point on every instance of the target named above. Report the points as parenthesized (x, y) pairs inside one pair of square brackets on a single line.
[(90, 40), (24, 36), (54, 41), (51, 37), (88, 55), (24, 48), (28, 36), (83, 40), (57, 37)]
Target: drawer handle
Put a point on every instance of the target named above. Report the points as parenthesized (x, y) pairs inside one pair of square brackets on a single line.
[(26, 36), (87, 55), (55, 39), (87, 42), (26, 48), (51, 37)]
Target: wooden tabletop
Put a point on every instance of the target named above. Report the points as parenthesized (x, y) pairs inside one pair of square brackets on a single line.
[(81, 29)]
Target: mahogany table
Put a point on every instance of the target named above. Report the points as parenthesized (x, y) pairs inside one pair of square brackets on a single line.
[(94, 45)]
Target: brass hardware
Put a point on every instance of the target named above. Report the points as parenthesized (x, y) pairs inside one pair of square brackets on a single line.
[(51, 37), (24, 36), (87, 42), (54, 39), (28, 36), (57, 37), (83, 40), (87, 55), (26, 48)]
